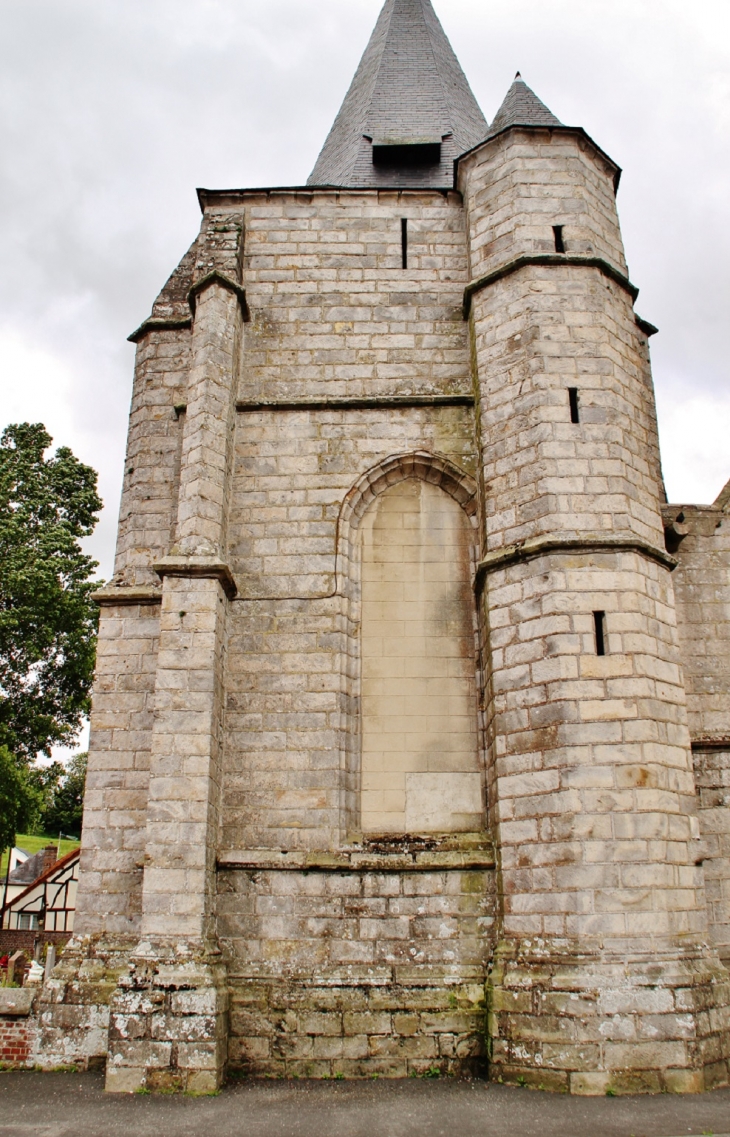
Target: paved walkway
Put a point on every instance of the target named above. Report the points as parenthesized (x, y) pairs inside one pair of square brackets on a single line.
[(74, 1105)]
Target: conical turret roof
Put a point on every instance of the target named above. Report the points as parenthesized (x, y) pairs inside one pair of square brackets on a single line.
[(409, 111), (521, 107)]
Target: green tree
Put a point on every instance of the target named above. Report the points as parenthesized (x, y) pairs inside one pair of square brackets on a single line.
[(47, 617), (64, 798), (19, 799)]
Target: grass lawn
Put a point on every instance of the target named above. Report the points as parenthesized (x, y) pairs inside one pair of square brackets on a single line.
[(32, 845)]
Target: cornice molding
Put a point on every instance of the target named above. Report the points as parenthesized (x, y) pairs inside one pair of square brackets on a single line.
[(272, 860), (551, 259), (158, 324), (198, 568), (113, 595), (590, 543), (355, 403), (711, 742)]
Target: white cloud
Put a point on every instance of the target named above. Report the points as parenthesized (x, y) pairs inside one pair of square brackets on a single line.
[(37, 386), (695, 452)]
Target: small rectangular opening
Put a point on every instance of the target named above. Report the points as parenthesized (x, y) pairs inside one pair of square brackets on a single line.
[(404, 240), (574, 408), (599, 621), (559, 242)]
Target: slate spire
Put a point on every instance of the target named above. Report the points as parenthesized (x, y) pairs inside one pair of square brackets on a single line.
[(521, 107), (409, 111)]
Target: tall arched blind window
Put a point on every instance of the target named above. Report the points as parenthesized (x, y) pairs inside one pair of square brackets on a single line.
[(420, 765)]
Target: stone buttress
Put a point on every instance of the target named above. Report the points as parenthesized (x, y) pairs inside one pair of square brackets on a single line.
[(397, 726)]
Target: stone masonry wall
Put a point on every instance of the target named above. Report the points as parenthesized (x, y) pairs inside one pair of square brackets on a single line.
[(356, 972), (591, 787), (340, 370), (152, 467), (293, 471), (594, 792), (545, 475), (546, 328), (712, 778), (109, 897), (537, 178), (286, 689), (332, 310), (702, 587)]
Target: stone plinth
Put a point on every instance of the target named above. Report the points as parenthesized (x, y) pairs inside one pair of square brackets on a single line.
[(569, 1016)]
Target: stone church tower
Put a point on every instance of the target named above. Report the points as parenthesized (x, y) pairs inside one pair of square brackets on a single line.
[(411, 731)]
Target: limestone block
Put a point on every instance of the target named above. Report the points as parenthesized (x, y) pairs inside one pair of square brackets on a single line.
[(17, 1002), (440, 802)]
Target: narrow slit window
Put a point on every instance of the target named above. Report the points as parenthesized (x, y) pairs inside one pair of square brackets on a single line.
[(559, 242), (404, 240), (574, 408), (599, 621)]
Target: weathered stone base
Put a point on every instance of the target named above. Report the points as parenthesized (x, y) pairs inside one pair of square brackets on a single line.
[(168, 1021), (73, 1009), (587, 1023), (358, 1026)]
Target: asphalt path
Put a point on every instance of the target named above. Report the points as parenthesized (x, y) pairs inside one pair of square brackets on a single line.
[(75, 1105)]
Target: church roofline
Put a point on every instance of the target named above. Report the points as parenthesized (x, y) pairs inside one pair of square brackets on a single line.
[(205, 196)]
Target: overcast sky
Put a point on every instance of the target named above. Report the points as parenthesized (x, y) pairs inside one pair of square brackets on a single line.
[(113, 111)]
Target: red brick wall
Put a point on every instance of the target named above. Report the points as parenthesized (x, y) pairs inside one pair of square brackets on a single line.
[(12, 940), (16, 1040)]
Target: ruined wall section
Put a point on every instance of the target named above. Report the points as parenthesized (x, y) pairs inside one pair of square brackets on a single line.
[(702, 588)]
